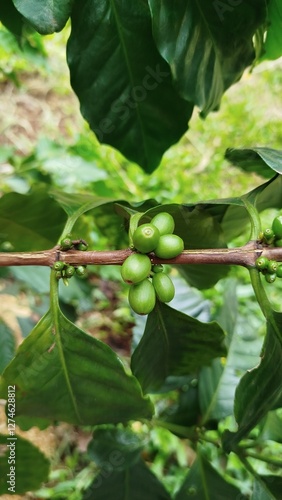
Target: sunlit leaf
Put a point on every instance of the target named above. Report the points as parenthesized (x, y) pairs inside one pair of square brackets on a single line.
[(272, 48)]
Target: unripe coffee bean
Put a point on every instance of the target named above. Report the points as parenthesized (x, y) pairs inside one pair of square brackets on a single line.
[(142, 297), (164, 287), (164, 222), (277, 226), (146, 238), (169, 246), (135, 268)]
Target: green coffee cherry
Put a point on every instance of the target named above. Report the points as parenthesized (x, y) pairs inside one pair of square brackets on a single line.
[(80, 271), (145, 238), (59, 265), (135, 268), (277, 226), (82, 246), (278, 243), (69, 271), (272, 266), (58, 274), (164, 287), (142, 297), (66, 243), (164, 222), (169, 246), (261, 263), (279, 271), (270, 278), (268, 235), (157, 268)]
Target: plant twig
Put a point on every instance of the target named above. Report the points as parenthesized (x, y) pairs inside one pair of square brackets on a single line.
[(241, 256)]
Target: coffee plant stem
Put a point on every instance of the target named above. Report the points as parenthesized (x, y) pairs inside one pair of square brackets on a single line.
[(268, 460), (242, 256)]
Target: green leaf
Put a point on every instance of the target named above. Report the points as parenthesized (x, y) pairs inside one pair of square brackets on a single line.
[(123, 84), (134, 483), (251, 404), (272, 48), (271, 429), (11, 18), (260, 160), (31, 467), (30, 222), (203, 482), (261, 491), (120, 448), (61, 373), (186, 410), (7, 345), (46, 16), (207, 44), (267, 488), (174, 344), (218, 382)]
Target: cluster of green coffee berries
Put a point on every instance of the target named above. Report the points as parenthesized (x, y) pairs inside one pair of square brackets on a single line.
[(66, 271), (149, 282), (269, 268), (271, 236), (67, 243)]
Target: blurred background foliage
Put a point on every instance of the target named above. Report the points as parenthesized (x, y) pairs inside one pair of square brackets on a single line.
[(45, 142)]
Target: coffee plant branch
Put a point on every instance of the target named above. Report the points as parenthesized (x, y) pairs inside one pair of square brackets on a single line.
[(242, 256)]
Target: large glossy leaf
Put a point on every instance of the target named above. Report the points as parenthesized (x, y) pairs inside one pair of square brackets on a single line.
[(218, 382), (124, 86), (261, 160), (30, 222), (7, 345), (174, 344), (31, 467), (46, 16), (61, 373), (118, 448), (203, 482), (11, 18), (134, 483), (207, 44), (272, 48), (259, 389)]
